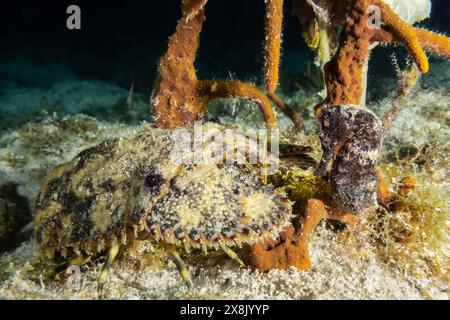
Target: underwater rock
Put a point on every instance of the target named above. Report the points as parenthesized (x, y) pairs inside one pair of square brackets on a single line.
[(14, 215)]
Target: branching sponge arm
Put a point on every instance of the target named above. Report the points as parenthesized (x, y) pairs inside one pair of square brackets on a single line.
[(191, 8), (274, 22), (434, 42), (179, 98), (406, 35), (212, 89), (430, 41)]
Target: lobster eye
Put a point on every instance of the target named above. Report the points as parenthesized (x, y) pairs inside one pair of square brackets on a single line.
[(153, 183)]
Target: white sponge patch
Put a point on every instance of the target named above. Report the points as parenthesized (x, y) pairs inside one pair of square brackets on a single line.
[(411, 11)]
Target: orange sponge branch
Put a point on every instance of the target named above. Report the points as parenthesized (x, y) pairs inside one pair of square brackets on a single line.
[(343, 74), (274, 25), (212, 89), (175, 100), (274, 22), (429, 41), (405, 34), (434, 42), (179, 98), (292, 250)]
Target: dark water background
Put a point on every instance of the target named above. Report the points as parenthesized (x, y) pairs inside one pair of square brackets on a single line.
[(121, 41)]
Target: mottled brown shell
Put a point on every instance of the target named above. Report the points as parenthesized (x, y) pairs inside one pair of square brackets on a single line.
[(352, 136), (130, 188)]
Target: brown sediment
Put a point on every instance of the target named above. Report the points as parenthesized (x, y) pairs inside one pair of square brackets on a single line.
[(179, 98)]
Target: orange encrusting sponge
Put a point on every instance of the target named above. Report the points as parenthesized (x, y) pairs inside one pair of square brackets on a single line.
[(274, 22), (406, 35), (434, 42)]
